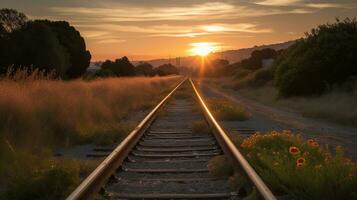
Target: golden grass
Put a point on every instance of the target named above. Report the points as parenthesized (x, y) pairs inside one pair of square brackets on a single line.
[(71, 112), (226, 110), (335, 106), (38, 115)]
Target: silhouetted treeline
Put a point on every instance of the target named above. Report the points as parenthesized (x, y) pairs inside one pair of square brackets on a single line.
[(51, 46), (123, 67), (254, 62)]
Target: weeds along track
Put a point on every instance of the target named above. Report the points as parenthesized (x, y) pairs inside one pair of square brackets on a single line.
[(166, 157)]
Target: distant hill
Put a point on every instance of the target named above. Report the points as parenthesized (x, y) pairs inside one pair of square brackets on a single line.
[(231, 55)]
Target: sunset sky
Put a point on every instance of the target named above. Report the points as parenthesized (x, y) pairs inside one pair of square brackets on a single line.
[(161, 28)]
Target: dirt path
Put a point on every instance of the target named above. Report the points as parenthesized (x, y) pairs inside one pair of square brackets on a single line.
[(264, 118)]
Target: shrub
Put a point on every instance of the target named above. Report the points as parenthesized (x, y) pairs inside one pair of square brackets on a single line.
[(119, 67), (166, 69), (220, 166), (257, 78), (301, 169), (54, 183), (241, 73), (226, 110), (325, 57)]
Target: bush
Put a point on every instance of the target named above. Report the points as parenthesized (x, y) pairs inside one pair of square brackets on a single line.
[(220, 166), (145, 69), (119, 67), (301, 169), (166, 69), (54, 183), (226, 110), (256, 79), (325, 57), (241, 73)]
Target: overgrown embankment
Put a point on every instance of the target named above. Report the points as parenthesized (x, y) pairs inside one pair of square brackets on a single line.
[(38, 115)]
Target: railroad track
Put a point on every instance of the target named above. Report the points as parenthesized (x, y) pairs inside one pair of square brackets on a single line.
[(163, 158)]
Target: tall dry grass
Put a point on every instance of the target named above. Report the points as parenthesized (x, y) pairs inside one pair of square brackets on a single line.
[(335, 106), (39, 114), (62, 113)]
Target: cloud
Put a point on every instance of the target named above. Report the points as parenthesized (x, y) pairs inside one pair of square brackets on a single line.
[(278, 2), (324, 5), (299, 3), (196, 12), (125, 21), (108, 31), (107, 41), (128, 13)]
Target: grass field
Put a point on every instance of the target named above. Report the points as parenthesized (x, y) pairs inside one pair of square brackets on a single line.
[(39, 115), (335, 106)]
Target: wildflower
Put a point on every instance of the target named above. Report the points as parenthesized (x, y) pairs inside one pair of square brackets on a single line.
[(294, 150), (300, 162), (312, 143)]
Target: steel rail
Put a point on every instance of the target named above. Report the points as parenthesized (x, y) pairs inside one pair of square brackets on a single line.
[(94, 182), (230, 149)]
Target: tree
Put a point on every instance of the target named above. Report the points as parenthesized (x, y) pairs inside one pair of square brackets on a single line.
[(120, 67), (256, 58), (324, 58), (166, 69), (35, 45), (145, 69), (41, 44), (11, 20), (74, 44)]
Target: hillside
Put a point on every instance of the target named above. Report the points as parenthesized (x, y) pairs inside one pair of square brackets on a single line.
[(231, 55)]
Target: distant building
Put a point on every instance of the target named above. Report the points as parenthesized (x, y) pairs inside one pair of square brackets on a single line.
[(267, 62)]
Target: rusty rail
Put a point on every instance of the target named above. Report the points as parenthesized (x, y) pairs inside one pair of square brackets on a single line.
[(230, 149), (94, 182)]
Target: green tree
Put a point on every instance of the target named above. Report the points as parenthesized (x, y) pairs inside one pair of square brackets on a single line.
[(166, 69), (324, 58), (74, 44), (11, 20), (35, 45), (120, 67), (144, 69)]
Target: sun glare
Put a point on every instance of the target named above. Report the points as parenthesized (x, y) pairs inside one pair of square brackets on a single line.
[(203, 48)]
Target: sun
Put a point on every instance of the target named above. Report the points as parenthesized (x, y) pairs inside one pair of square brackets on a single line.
[(203, 48)]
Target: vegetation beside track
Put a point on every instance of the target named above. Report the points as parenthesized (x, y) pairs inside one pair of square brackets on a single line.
[(39, 115), (225, 110), (293, 167)]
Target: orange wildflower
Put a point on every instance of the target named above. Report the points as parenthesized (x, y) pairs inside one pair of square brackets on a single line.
[(294, 150), (312, 143), (300, 162)]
